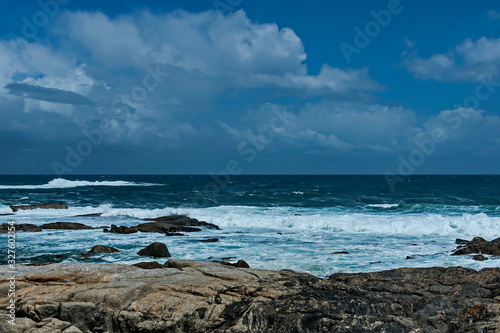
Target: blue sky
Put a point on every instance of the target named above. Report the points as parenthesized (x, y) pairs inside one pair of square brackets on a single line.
[(250, 86)]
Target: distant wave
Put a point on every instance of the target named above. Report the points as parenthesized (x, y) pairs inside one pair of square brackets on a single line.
[(63, 183), (383, 205)]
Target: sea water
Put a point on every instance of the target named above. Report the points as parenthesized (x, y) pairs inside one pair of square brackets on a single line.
[(272, 222)]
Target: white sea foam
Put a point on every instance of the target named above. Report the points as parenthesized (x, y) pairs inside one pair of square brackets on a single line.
[(314, 220), (383, 205), (64, 183)]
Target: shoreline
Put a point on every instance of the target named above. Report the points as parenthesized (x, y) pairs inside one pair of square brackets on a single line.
[(195, 296)]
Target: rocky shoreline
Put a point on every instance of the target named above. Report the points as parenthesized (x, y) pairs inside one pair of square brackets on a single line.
[(195, 296)]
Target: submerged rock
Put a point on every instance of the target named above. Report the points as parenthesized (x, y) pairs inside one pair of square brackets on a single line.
[(193, 296), (66, 226), (90, 215), (479, 257), (481, 246), (209, 240), (157, 250), (41, 206), (103, 249)]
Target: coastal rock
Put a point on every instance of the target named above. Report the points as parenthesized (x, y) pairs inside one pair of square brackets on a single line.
[(41, 206), (66, 226), (90, 215), (157, 250), (148, 265), (120, 230), (209, 240), (163, 227), (182, 220), (103, 249), (193, 296), (20, 227), (479, 257), (481, 246)]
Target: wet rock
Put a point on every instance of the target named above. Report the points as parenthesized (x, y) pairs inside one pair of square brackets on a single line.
[(42, 206), (103, 249), (59, 256), (163, 227), (148, 265), (193, 296), (340, 252), (7, 214), (90, 215), (121, 229), (481, 246), (209, 240), (66, 226), (182, 220), (242, 264), (479, 257), (157, 250), (5, 227), (86, 255), (460, 241)]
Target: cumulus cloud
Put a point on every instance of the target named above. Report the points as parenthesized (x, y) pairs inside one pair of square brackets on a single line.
[(472, 60)]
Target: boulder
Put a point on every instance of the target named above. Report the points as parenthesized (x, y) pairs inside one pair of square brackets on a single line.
[(479, 257), (481, 246), (66, 226), (183, 220), (41, 206), (163, 227), (103, 249), (157, 250)]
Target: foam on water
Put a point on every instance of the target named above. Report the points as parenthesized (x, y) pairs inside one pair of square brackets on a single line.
[(384, 205), (302, 219), (63, 183)]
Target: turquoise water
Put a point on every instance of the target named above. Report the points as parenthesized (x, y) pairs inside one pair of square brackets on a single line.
[(272, 222)]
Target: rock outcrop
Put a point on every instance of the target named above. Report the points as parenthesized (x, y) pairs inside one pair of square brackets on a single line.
[(28, 227), (42, 206), (66, 226), (481, 246), (191, 296), (171, 225)]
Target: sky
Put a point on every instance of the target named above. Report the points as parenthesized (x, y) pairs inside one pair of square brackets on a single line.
[(250, 87)]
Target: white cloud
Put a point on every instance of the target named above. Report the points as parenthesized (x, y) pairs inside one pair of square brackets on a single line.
[(470, 61)]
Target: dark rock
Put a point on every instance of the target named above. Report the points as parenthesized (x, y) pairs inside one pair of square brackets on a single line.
[(242, 264), (86, 255), (461, 241), (105, 230), (157, 250), (42, 206), (163, 227), (209, 240), (103, 249), (183, 220), (148, 265), (104, 227), (121, 229), (410, 257), (66, 226), (481, 246), (59, 256), (340, 252), (7, 214), (20, 227), (479, 257), (90, 215)]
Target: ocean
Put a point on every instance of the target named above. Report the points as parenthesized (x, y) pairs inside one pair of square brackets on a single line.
[(272, 222)]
